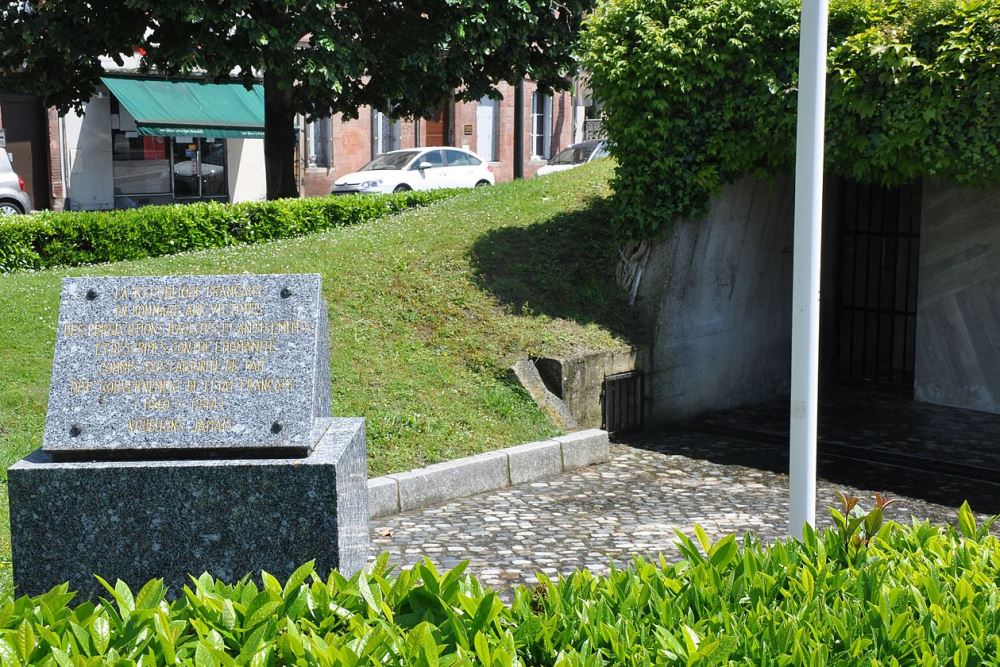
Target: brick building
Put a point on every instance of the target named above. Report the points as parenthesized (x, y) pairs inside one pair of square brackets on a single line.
[(334, 147), (128, 149)]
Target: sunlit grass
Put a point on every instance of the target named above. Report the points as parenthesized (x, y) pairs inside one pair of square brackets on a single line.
[(427, 310)]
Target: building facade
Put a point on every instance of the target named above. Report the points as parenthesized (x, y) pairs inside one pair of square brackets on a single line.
[(149, 140), (337, 146)]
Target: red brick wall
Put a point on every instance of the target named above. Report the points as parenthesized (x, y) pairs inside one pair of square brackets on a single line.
[(352, 140), (57, 191)]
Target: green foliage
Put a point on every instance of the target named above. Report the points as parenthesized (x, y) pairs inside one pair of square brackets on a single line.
[(916, 595), (316, 58), (699, 93), (324, 57), (70, 238)]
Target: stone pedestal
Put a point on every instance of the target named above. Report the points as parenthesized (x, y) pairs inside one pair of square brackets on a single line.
[(138, 520)]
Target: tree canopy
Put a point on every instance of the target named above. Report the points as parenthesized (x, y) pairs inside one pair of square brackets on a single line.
[(315, 58)]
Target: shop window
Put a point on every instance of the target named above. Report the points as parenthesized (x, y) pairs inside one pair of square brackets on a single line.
[(148, 166), (140, 164), (541, 125)]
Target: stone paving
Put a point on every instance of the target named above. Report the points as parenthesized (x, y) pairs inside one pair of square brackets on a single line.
[(630, 505)]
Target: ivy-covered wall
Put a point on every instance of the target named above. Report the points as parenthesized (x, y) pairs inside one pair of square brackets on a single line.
[(699, 93)]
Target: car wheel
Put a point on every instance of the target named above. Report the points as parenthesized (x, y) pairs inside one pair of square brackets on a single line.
[(483, 184), (402, 187), (9, 208)]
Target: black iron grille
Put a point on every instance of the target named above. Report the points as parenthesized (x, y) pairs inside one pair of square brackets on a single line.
[(622, 402)]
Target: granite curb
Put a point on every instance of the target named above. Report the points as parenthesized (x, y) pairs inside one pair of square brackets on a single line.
[(468, 476)]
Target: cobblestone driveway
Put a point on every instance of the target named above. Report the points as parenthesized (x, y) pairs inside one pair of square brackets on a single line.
[(630, 505)]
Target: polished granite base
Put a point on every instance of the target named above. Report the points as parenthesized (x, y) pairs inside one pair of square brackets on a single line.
[(139, 520)]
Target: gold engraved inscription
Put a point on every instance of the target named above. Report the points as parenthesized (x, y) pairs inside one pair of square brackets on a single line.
[(181, 353), (213, 425), (155, 425)]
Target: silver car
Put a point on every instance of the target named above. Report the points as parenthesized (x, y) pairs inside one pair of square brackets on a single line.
[(13, 198)]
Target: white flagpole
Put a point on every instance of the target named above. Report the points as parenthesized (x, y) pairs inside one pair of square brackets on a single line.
[(806, 268)]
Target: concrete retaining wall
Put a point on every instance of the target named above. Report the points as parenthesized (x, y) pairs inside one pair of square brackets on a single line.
[(578, 381), (958, 303), (719, 294)]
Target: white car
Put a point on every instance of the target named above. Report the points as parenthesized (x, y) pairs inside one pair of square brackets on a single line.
[(575, 155), (417, 169), (13, 198)]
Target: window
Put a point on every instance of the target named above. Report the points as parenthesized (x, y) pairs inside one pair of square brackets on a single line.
[(435, 158), (461, 159), (385, 133), (318, 144), (541, 125), (140, 164), (390, 162)]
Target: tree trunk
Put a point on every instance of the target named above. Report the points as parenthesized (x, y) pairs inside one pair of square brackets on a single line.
[(279, 139)]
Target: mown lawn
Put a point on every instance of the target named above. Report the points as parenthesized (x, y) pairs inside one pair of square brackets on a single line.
[(427, 310)]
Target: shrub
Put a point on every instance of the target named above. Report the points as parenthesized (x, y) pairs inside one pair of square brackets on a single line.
[(861, 593), (70, 238), (698, 93)]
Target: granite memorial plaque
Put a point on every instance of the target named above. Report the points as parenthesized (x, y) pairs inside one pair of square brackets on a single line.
[(218, 363), (188, 431)]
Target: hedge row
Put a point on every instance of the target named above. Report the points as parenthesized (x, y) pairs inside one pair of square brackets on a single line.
[(71, 238), (861, 594), (698, 93)]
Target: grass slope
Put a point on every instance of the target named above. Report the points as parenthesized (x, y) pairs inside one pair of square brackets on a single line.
[(427, 309)]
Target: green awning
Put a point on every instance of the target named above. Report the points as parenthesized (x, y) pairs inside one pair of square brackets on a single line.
[(167, 108)]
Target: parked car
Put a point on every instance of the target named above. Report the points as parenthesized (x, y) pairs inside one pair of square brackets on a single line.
[(417, 169), (575, 155), (13, 198)]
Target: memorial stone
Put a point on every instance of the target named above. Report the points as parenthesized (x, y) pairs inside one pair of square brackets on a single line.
[(189, 429), (217, 363)]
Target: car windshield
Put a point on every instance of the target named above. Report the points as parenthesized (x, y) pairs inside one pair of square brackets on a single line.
[(573, 155), (390, 161)]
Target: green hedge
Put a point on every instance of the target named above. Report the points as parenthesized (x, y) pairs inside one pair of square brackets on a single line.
[(70, 238), (861, 594), (698, 93)]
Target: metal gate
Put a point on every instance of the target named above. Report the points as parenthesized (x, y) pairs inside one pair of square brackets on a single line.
[(877, 304), (622, 402)]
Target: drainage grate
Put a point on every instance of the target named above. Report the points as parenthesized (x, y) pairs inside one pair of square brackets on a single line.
[(622, 402)]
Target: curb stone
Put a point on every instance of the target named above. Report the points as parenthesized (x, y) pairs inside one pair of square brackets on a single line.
[(434, 484)]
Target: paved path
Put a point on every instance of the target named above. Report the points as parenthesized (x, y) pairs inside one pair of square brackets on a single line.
[(630, 505)]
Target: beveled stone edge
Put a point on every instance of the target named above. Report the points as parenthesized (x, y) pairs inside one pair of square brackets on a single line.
[(576, 450)]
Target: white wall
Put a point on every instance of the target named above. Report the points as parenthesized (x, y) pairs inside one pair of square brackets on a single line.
[(245, 161), (958, 303), (718, 293), (88, 153)]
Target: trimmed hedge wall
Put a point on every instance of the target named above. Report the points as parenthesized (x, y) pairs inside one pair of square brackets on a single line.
[(861, 594), (70, 238), (699, 93)]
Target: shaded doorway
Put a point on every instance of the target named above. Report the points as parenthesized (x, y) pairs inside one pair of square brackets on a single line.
[(436, 128), (25, 122), (876, 270)]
